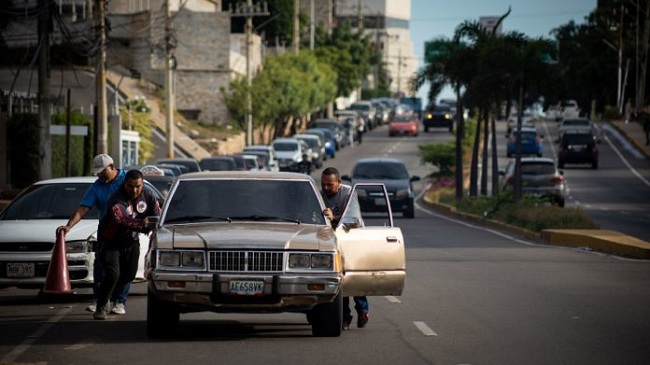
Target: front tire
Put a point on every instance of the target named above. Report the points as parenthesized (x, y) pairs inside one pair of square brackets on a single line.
[(410, 211), (327, 318)]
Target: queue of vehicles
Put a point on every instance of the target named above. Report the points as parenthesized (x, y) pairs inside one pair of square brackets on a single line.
[(217, 250)]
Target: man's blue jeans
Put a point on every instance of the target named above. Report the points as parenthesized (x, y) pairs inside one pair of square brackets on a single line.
[(360, 305)]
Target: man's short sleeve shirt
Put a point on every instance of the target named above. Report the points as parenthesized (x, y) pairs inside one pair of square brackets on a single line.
[(98, 193)]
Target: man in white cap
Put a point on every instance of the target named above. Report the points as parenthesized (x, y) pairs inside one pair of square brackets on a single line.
[(109, 179)]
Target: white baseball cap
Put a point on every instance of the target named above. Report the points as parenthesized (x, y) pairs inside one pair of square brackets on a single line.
[(101, 162)]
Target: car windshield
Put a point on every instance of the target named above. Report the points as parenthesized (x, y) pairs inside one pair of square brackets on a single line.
[(48, 201), (245, 199), (380, 170), (537, 168)]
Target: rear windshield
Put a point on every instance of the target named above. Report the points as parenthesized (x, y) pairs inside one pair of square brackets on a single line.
[(380, 170), (537, 168), (285, 146), (577, 138)]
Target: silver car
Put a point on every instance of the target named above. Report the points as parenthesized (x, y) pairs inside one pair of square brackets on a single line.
[(247, 242)]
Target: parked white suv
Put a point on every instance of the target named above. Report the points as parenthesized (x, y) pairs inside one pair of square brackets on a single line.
[(272, 164), (289, 152)]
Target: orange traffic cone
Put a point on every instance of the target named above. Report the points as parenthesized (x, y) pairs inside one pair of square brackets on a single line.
[(57, 281)]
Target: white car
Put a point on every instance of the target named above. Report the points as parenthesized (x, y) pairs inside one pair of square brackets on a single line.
[(28, 225), (527, 120)]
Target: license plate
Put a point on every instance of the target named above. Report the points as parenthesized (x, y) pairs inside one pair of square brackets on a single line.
[(246, 287), (20, 270), (380, 201)]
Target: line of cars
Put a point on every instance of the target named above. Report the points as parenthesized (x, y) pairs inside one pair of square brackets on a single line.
[(577, 141)]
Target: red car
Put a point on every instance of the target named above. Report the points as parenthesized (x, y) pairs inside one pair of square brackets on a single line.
[(404, 124)]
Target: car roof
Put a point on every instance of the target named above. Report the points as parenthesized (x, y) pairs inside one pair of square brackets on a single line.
[(261, 175), (538, 159), (68, 180), (379, 160)]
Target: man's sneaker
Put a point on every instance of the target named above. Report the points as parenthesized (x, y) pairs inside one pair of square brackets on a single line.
[(363, 320), (346, 325), (100, 313), (118, 308), (92, 307)]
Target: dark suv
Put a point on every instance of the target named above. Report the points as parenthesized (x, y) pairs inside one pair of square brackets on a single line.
[(579, 147), (441, 116)]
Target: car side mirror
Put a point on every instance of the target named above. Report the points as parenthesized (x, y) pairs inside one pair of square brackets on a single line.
[(415, 178), (346, 178)]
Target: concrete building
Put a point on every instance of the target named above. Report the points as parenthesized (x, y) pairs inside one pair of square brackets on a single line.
[(387, 21)]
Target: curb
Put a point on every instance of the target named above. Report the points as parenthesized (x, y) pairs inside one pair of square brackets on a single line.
[(633, 141), (606, 241)]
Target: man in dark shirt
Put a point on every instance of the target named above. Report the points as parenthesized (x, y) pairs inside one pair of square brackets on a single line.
[(336, 196), (126, 216)]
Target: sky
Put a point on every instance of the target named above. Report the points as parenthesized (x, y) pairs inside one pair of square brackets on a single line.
[(535, 18)]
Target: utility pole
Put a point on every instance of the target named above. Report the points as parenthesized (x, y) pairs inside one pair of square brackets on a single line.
[(311, 25), (169, 81), (102, 113), (619, 97), (45, 104), (644, 58), (249, 11), (296, 26)]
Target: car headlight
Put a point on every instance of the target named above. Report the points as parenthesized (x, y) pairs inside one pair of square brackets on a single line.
[(298, 261), (321, 261), (311, 261), (181, 259), (77, 246), (401, 193)]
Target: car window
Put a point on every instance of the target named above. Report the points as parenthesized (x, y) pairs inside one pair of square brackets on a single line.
[(253, 199), (380, 170), (577, 138), (49, 201), (528, 135), (285, 146), (537, 168), (218, 165)]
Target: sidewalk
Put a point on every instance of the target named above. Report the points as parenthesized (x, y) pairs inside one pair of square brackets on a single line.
[(634, 133)]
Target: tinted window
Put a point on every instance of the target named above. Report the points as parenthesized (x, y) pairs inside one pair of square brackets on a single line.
[(380, 170), (537, 168), (51, 201), (221, 164), (577, 138), (285, 146), (245, 198)]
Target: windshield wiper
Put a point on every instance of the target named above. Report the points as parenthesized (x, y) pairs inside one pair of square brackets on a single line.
[(265, 218), (197, 218)]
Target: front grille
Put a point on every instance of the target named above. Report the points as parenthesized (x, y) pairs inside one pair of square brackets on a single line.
[(27, 246), (245, 261)]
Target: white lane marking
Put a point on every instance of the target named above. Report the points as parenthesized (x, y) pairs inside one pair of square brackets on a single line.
[(392, 299), (14, 354), (624, 142), (620, 155), (425, 329)]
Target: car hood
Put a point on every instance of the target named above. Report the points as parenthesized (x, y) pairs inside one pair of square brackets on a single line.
[(44, 230), (265, 236)]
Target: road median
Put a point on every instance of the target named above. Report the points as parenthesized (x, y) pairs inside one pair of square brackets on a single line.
[(601, 240)]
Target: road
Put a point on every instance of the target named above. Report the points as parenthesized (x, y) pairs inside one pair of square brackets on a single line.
[(472, 296)]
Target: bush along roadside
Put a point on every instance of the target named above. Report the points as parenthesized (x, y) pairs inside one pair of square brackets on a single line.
[(530, 213)]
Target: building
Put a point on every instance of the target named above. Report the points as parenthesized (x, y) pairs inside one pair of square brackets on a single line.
[(386, 21)]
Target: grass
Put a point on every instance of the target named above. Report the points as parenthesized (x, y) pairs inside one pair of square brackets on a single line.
[(533, 214)]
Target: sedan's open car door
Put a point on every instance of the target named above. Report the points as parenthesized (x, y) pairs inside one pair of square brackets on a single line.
[(374, 262)]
